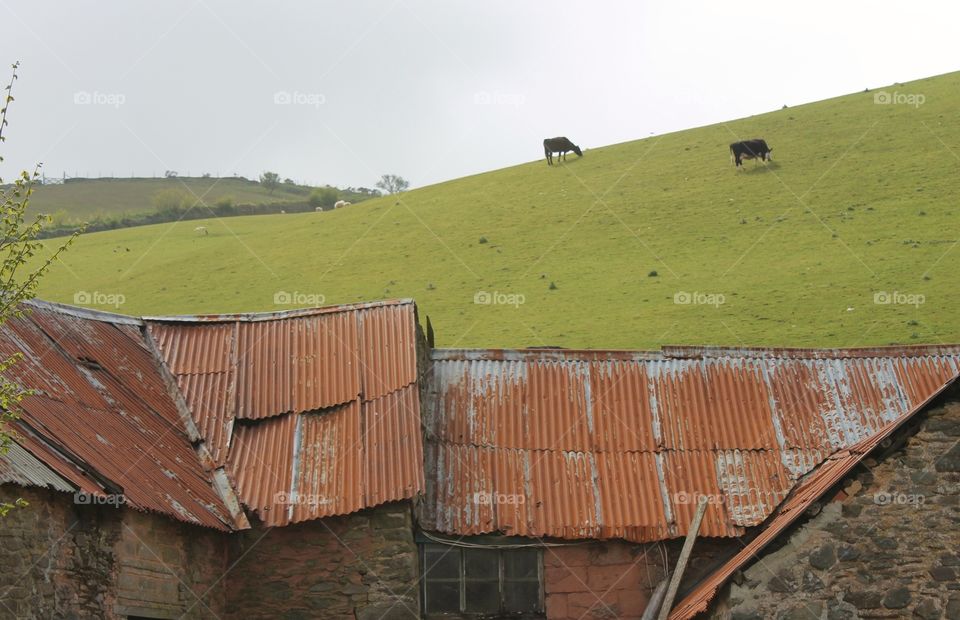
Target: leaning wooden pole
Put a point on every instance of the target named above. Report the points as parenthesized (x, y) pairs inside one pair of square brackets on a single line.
[(682, 560), (656, 600)]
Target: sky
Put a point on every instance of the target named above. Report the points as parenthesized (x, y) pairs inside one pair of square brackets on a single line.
[(342, 92)]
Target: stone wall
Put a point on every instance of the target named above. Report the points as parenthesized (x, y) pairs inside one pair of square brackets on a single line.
[(55, 556), (362, 565), (886, 547), (62, 559), (615, 579), (170, 569)]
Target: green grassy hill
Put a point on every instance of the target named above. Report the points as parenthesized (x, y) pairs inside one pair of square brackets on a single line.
[(860, 206), (86, 199)]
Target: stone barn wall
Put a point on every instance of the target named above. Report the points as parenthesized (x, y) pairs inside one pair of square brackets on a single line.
[(886, 547), (64, 559), (362, 565)]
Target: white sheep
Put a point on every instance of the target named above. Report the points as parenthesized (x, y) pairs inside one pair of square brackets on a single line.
[(318, 209), (201, 230), (340, 203)]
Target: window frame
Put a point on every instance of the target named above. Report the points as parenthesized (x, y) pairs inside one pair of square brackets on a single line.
[(431, 546)]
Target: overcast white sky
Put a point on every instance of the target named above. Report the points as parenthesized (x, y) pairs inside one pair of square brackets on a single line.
[(341, 92)]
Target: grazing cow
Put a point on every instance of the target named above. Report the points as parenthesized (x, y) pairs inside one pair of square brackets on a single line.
[(750, 149), (559, 145)]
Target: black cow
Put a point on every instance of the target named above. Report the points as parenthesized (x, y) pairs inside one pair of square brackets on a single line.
[(749, 149), (559, 145)]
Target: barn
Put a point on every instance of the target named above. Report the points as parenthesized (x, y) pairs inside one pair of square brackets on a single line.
[(329, 463)]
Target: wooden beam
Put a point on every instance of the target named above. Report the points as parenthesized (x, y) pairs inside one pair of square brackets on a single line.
[(656, 600), (682, 560)]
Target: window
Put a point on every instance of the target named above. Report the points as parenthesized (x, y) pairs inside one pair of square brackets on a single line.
[(483, 582)]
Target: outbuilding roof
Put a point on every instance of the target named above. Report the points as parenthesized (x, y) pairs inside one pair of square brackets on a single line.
[(620, 444), (314, 412), (101, 416)]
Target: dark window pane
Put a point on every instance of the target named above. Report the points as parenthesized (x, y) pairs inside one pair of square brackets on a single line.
[(441, 562), (521, 596), (481, 564), (482, 596), (442, 596), (521, 564)]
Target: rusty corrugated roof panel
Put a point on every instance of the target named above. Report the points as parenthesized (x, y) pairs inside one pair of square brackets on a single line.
[(393, 446), (261, 458), (565, 430), (102, 416), (296, 365), (315, 412), (388, 348), (811, 489)]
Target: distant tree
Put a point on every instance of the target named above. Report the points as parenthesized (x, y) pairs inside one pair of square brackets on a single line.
[(170, 174), (170, 200), (392, 183), (270, 180), (224, 204), (323, 197), (18, 245), (289, 181), (205, 175), (366, 191)]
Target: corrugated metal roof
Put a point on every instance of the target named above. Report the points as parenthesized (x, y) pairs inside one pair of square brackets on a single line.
[(20, 467), (101, 415), (811, 489), (315, 413), (585, 444)]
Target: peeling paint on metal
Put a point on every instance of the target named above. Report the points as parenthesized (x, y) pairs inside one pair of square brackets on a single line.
[(741, 426), (810, 490), (314, 413), (101, 416)]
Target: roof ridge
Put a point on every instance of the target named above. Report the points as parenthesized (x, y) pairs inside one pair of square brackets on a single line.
[(249, 317), (673, 352), (83, 312)]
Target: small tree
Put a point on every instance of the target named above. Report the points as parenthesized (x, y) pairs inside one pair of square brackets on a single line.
[(170, 200), (392, 183), (18, 245), (224, 205), (270, 180), (323, 197)]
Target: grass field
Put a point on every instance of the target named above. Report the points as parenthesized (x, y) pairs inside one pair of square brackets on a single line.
[(86, 199), (860, 206)]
